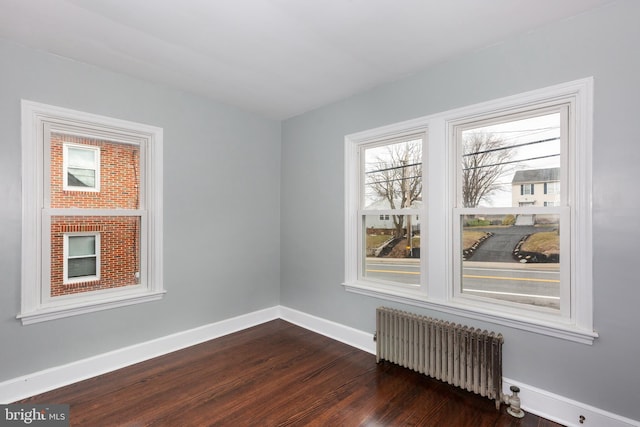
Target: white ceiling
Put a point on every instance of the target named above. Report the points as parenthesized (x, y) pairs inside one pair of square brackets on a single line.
[(278, 58)]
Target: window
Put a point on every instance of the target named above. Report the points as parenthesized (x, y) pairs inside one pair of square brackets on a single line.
[(526, 189), (511, 254), (500, 229), (92, 213), (389, 197), (81, 168), (81, 257), (391, 176), (552, 187)]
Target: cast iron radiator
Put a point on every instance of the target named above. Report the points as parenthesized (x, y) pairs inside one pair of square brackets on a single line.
[(465, 357)]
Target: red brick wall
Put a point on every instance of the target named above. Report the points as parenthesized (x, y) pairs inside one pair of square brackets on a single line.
[(119, 251), (119, 176), (119, 236)]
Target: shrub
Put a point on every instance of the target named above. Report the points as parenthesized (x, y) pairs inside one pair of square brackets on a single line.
[(478, 223), (509, 220)]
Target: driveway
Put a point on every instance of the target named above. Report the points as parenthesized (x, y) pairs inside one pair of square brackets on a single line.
[(499, 247)]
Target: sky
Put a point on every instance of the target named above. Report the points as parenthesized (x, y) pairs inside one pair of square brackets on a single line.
[(525, 157), (533, 143)]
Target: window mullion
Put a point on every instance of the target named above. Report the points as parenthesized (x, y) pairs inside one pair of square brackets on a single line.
[(438, 184)]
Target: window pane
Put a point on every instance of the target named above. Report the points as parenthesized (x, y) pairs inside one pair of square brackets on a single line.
[(393, 175), (79, 267), (508, 164), (512, 257), (105, 175), (82, 245), (113, 255), (81, 177), (81, 166), (392, 248), (81, 158)]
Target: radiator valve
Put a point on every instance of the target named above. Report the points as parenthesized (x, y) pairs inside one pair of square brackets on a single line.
[(514, 403)]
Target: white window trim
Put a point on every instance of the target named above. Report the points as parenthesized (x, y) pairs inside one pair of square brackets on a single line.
[(66, 257), (65, 167), (36, 305), (437, 259)]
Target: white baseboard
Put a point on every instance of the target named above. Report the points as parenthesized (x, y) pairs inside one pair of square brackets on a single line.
[(59, 376), (537, 401), (354, 337), (534, 400), (563, 410)]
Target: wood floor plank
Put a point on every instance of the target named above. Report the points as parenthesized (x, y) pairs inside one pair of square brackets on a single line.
[(274, 374)]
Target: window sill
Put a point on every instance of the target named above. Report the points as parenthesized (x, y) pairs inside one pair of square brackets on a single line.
[(44, 314), (566, 331)]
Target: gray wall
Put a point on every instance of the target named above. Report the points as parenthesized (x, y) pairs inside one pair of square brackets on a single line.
[(221, 206), (603, 44), (225, 170)]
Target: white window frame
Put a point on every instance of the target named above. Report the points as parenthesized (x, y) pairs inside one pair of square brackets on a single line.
[(437, 290), (38, 121), (389, 212), (355, 279), (561, 106), (65, 167), (80, 279)]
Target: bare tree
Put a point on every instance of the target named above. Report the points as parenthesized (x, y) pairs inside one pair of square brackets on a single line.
[(397, 178), (485, 158)]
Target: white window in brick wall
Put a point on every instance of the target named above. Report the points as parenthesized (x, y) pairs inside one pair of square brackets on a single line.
[(81, 257), (81, 168), (92, 213)]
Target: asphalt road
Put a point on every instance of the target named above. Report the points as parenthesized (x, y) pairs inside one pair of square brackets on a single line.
[(534, 284), (397, 270)]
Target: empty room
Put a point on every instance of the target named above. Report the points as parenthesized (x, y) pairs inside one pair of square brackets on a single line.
[(299, 212)]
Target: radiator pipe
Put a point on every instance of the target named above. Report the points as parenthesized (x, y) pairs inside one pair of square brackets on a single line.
[(514, 403)]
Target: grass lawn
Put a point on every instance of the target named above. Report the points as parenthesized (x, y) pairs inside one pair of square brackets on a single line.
[(469, 238), (545, 242), (376, 240)]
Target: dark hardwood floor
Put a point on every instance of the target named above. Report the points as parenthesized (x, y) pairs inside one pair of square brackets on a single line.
[(274, 374)]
